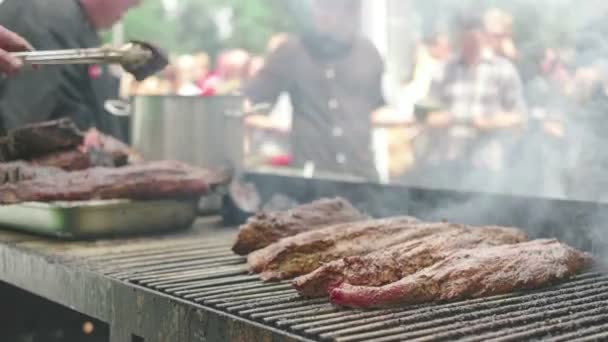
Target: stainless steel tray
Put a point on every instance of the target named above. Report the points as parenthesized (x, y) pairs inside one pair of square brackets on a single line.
[(94, 219)]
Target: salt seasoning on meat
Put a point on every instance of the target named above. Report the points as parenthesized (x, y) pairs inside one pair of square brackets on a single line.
[(266, 228), (303, 253), (479, 272), (389, 265)]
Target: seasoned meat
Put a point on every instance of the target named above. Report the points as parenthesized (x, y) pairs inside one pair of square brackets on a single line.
[(105, 150), (60, 144), (479, 272), (145, 181), (14, 172), (389, 265), (70, 160), (303, 253), (38, 139), (268, 227)]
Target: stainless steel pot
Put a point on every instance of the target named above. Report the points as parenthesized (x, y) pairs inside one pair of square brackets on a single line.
[(196, 130)]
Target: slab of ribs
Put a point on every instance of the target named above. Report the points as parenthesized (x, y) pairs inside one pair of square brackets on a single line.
[(265, 228), (473, 273), (389, 265), (368, 263), (155, 180), (61, 144)]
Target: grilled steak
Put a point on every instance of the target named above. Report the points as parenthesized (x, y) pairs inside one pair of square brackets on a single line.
[(21, 171), (303, 253), (266, 228), (70, 160), (39, 139), (146, 181), (389, 265), (473, 273)]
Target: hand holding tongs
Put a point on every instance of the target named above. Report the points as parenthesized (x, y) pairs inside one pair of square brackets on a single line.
[(138, 58)]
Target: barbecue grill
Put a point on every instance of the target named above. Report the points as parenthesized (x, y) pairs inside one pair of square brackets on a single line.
[(190, 287)]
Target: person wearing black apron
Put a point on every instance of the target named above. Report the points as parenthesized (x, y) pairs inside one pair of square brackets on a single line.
[(333, 76), (78, 92)]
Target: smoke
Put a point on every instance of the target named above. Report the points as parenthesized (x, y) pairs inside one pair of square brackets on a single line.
[(551, 185)]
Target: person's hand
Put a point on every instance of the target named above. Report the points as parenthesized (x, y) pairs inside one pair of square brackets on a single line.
[(554, 128), (388, 117), (507, 120), (439, 119), (11, 42), (498, 121)]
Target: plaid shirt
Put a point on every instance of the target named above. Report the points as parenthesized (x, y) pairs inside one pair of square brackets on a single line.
[(490, 87)]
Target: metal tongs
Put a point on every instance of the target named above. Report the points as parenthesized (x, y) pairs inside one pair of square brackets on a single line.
[(138, 58)]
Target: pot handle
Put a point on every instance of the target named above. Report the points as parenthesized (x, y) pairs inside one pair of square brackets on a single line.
[(118, 107), (255, 109)]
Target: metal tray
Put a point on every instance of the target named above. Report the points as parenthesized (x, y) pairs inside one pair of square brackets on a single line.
[(94, 219)]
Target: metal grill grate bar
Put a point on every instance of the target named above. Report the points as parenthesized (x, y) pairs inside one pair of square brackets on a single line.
[(244, 293), (456, 330), (297, 310), (232, 299), (313, 310), (156, 255), (593, 338), (232, 307), (175, 265), (142, 248), (279, 307), (170, 276), (187, 286), (221, 289), (303, 323), (581, 333), (437, 316), (134, 263), (542, 329)]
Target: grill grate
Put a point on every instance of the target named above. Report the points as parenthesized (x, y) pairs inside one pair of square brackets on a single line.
[(204, 271)]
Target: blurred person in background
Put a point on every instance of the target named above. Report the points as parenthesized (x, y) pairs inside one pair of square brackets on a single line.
[(231, 71), (499, 33), (334, 78), (481, 101), (431, 57), (268, 135), (186, 67), (76, 91), (11, 42)]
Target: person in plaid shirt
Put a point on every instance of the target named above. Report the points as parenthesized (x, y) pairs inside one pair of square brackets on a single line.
[(481, 96)]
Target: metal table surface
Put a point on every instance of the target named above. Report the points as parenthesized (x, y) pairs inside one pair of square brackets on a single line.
[(47, 268)]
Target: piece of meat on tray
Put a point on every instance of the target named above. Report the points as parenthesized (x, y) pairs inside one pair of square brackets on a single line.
[(60, 143), (389, 265), (155, 180), (479, 272), (14, 172), (303, 253), (268, 227), (70, 160), (38, 139)]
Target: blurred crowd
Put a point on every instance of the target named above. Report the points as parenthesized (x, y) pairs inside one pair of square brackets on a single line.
[(542, 144)]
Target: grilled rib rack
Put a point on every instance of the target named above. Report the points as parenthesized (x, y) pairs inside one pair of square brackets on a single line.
[(203, 272)]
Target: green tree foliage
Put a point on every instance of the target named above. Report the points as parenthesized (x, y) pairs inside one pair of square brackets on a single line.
[(192, 28), (255, 21)]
